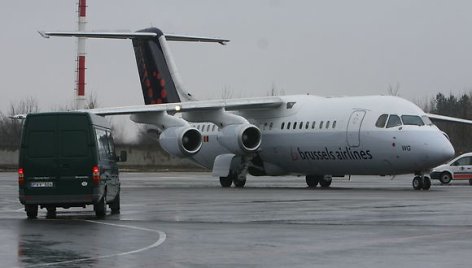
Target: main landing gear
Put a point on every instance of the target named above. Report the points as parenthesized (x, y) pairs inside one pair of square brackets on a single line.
[(421, 182), (239, 180), (237, 175), (313, 180)]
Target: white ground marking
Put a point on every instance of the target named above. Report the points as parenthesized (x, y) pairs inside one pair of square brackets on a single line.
[(162, 238)]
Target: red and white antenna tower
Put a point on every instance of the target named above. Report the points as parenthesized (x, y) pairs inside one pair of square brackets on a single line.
[(80, 71)]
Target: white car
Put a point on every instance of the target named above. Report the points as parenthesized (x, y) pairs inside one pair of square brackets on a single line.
[(459, 168)]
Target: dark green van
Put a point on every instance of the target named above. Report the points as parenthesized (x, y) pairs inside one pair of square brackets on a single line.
[(67, 159)]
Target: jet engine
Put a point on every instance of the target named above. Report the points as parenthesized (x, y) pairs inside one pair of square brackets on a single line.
[(240, 139), (181, 141)]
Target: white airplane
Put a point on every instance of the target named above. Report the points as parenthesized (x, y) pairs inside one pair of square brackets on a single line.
[(313, 136)]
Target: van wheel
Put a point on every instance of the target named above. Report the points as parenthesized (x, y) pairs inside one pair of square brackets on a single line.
[(445, 178), (101, 207), (115, 205), (51, 214), (31, 211)]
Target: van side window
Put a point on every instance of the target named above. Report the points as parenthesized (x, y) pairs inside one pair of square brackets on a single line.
[(102, 144), (111, 144), (393, 121), (381, 121)]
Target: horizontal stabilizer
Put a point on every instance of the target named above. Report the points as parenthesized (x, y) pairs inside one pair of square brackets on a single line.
[(133, 35)]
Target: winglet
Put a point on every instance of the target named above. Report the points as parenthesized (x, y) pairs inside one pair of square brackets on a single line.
[(43, 34)]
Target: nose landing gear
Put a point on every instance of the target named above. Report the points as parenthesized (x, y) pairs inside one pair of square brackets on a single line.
[(421, 182)]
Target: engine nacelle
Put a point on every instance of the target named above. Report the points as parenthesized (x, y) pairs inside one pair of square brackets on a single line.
[(181, 141), (240, 139)]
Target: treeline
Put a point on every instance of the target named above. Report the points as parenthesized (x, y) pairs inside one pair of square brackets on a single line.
[(454, 106), (10, 129)]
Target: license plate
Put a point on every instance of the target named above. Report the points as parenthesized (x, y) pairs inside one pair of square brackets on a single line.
[(37, 184)]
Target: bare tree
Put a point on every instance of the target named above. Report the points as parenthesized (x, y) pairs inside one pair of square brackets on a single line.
[(393, 90), (92, 101), (275, 92), (226, 92), (10, 129)]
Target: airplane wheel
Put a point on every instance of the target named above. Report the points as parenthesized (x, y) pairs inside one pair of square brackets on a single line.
[(417, 183), (426, 183), (239, 182), (325, 182), (445, 178), (226, 181), (311, 181)]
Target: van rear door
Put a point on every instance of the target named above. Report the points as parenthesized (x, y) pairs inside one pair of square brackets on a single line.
[(76, 154)]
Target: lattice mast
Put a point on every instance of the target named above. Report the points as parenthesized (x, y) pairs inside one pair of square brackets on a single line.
[(80, 99)]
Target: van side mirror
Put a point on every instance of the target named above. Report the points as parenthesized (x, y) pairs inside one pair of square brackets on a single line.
[(123, 156)]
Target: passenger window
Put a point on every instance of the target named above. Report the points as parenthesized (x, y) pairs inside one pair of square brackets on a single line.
[(265, 125), (213, 128), (327, 124), (321, 124), (282, 126), (313, 125), (301, 125), (334, 124), (412, 120), (393, 121), (271, 125), (288, 125), (381, 121), (208, 128), (307, 125), (295, 125)]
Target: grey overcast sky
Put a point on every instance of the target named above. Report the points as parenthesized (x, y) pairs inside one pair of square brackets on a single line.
[(329, 48)]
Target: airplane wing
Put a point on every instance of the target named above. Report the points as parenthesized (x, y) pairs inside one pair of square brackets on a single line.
[(194, 106), (444, 118)]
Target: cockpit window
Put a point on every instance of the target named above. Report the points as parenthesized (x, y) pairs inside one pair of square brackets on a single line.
[(412, 120), (393, 121), (427, 121), (381, 121)]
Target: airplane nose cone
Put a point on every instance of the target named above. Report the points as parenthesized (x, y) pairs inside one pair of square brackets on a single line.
[(443, 149)]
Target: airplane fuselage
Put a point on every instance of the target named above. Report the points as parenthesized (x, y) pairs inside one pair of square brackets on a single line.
[(338, 136)]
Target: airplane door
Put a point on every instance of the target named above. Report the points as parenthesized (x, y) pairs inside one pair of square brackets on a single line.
[(354, 128)]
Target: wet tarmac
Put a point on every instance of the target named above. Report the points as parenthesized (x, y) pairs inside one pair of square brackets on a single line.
[(187, 220)]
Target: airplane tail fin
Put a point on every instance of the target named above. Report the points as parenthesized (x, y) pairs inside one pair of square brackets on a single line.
[(160, 81)]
